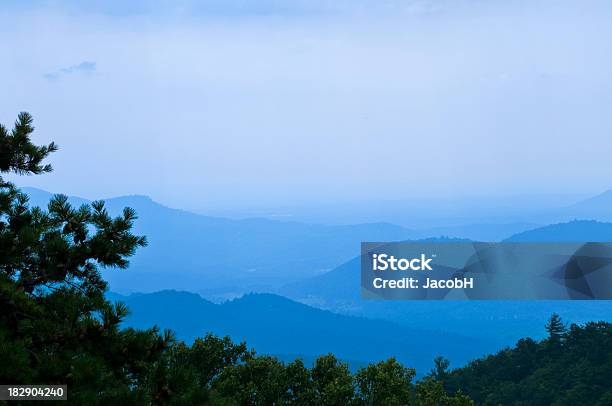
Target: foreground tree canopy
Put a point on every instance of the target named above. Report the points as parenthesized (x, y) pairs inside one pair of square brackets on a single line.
[(56, 327)]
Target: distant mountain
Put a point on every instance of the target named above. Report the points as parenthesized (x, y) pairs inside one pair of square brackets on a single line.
[(333, 290), (41, 198), (223, 258), (481, 232), (503, 321), (275, 325), (597, 207), (339, 287), (573, 231), (216, 255)]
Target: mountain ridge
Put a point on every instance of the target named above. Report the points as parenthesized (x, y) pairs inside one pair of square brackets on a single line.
[(276, 325), (225, 257), (504, 321)]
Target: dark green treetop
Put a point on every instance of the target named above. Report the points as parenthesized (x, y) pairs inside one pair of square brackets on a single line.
[(555, 327), (18, 154)]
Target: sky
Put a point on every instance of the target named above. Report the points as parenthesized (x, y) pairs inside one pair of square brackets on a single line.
[(237, 104)]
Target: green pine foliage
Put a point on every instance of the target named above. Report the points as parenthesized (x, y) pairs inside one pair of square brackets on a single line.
[(570, 367), (55, 325)]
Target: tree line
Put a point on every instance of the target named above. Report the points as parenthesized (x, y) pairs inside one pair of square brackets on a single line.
[(572, 366)]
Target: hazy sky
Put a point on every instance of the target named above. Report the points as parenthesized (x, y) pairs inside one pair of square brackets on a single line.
[(229, 103)]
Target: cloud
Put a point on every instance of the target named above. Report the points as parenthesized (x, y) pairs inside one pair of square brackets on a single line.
[(85, 67)]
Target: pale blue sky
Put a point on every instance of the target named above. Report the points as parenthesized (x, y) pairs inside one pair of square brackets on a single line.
[(250, 103)]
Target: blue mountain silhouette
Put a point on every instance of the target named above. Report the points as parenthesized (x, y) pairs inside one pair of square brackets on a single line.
[(573, 231), (276, 325), (208, 254), (502, 321)]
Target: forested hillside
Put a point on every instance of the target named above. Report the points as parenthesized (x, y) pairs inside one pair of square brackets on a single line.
[(573, 366)]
